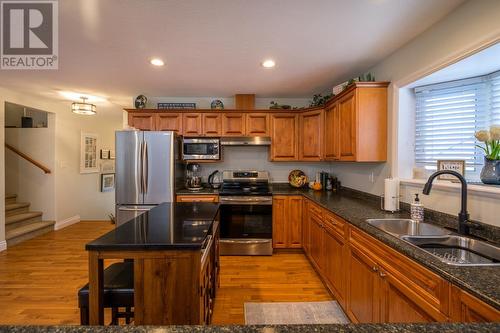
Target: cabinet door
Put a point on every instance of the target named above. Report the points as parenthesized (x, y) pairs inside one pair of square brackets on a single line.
[(294, 222), (311, 136), (142, 121), (335, 262), (305, 227), (191, 124), (233, 124), (257, 124), (400, 304), (212, 124), (332, 133), (197, 198), (317, 238), (279, 221), (347, 120), (169, 122), (284, 144), (362, 286), (468, 309)]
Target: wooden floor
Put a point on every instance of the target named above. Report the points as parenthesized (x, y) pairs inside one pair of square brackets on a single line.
[(39, 279)]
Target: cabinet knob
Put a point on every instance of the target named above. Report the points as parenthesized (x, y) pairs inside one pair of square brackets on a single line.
[(374, 268), (382, 274)]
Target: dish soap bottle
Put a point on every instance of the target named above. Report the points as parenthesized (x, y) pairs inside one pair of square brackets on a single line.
[(417, 210)]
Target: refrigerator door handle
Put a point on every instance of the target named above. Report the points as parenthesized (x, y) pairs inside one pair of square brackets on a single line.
[(141, 167), (146, 167)]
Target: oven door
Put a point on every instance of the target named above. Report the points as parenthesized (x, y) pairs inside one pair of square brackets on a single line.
[(246, 229)]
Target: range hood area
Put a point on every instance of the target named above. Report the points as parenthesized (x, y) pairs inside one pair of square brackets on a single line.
[(246, 141)]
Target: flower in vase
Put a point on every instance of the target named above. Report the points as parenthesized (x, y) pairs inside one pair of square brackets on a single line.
[(483, 136), (495, 132)]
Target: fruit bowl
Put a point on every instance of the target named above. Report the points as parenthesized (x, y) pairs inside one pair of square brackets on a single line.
[(297, 178)]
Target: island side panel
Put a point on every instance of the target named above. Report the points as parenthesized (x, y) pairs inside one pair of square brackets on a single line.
[(96, 310), (166, 288)]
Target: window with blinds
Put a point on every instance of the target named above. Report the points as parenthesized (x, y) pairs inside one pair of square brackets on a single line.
[(447, 117)]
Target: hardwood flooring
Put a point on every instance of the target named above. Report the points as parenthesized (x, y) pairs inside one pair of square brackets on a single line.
[(39, 279)]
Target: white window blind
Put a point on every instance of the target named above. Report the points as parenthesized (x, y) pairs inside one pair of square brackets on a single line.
[(447, 116), (495, 98)]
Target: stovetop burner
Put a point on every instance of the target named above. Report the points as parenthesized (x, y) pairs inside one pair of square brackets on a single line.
[(245, 183)]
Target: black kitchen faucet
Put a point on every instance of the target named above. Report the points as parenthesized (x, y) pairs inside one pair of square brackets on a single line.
[(464, 224)]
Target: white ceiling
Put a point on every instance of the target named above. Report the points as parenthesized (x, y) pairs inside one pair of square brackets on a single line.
[(214, 48)]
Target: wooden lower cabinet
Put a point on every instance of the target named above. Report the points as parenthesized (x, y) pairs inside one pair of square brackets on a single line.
[(335, 254), (316, 233), (287, 222), (466, 308), (362, 288), (197, 198)]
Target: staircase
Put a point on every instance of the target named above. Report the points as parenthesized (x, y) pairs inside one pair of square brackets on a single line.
[(20, 223)]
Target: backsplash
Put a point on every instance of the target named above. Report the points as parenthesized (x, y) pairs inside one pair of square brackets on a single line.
[(257, 158)]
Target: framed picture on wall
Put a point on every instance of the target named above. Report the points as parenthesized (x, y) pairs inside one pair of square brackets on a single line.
[(107, 182), (105, 154), (453, 165), (88, 153)]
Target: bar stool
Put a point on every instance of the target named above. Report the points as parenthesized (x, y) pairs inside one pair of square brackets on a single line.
[(118, 293)]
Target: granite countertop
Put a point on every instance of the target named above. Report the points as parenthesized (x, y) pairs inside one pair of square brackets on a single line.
[(165, 227), (333, 328), (483, 282)]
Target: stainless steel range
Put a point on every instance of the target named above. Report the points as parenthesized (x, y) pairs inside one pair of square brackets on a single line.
[(246, 213)]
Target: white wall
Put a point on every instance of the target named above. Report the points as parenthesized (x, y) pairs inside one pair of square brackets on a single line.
[(257, 158), (76, 195), (24, 179), (469, 28)]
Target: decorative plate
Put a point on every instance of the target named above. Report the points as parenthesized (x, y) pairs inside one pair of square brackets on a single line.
[(140, 102), (217, 105), (297, 178)]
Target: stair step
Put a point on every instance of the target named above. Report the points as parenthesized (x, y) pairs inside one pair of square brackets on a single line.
[(28, 231), (16, 208), (21, 219), (10, 198)]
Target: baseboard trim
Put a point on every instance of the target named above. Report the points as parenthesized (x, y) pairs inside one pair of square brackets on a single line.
[(67, 222), (3, 246)]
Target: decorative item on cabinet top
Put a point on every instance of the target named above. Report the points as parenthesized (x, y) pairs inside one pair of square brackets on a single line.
[(140, 102), (217, 105)]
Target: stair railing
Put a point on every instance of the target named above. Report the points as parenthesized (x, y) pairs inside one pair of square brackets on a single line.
[(27, 158)]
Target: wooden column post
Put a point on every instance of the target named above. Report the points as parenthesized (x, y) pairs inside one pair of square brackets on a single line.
[(96, 285)]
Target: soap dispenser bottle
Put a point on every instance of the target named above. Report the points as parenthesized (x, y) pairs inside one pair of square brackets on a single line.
[(417, 210)]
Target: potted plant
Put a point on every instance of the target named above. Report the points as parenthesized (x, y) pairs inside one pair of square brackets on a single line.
[(491, 170)]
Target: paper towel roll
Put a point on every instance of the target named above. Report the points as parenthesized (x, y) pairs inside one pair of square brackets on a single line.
[(391, 194)]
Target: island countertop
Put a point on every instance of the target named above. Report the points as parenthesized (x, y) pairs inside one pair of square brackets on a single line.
[(168, 226)]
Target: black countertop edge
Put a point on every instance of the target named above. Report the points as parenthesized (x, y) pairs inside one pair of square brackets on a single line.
[(326, 328), (355, 207)]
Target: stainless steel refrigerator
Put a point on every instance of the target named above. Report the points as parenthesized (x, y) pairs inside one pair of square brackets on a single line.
[(149, 169)]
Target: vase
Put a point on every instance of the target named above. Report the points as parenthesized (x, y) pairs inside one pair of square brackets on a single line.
[(491, 172)]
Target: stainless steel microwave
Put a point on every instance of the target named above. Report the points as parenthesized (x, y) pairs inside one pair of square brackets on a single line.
[(201, 149)]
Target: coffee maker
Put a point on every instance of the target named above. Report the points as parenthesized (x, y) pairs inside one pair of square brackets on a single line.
[(193, 177)]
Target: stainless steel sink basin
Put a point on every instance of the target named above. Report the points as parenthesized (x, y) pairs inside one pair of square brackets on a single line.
[(458, 250), (407, 227)]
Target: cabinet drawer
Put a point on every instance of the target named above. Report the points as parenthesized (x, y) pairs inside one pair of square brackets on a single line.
[(315, 209), (432, 288), (335, 222), (198, 198)]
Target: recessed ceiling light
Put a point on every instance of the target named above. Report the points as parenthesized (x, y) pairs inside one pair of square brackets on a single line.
[(269, 63), (157, 62)]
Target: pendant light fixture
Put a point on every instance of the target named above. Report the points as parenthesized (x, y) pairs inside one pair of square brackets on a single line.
[(83, 107)]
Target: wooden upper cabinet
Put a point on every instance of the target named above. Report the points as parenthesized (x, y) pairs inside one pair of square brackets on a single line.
[(233, 124), (212, 124), (257, 124), (142, 121), (311, 135), (348, 128), (284, 135), (192, 124), (466, 308), (332, 133), (169, 122)]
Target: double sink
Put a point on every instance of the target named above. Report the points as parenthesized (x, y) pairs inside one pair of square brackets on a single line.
[(450, 248)]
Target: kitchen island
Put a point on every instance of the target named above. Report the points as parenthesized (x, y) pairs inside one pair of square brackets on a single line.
[(174, 247)]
